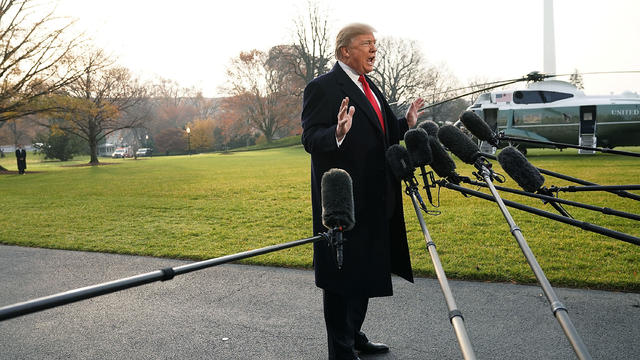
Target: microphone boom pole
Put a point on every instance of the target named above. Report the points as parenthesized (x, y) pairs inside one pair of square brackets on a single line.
[(67, 297), (455, 316), (501, 136), (551, 199), (468, 152), (595, 188), (402, 166), (572, 179), (558, 309), (563, 219)]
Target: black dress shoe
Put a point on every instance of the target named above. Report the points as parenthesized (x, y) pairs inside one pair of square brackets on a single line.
[(371, 348)]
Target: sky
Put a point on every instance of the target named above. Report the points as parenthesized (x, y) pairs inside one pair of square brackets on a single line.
[(193, 41)]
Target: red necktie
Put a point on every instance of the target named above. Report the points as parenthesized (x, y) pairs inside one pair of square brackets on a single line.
[(372, 99)]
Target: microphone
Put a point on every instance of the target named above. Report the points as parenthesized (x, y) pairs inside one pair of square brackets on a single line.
[(520, 169), (400, 163), (526, 175), (459, 144), (337, 207), (430, 127), (478, 127), (465, 149), (441, 162), (417, 142)]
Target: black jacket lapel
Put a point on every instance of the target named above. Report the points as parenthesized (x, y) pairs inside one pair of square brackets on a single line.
[(357, 96)]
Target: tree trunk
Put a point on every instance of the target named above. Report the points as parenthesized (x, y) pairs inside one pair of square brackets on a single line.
[(93, 143), (93, 149)]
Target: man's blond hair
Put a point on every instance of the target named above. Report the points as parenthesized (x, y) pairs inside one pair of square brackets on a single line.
[(348, 33)]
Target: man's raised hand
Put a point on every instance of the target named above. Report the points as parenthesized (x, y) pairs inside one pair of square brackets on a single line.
[(345, 116)]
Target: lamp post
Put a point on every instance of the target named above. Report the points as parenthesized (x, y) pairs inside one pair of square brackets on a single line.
[(189, 139)]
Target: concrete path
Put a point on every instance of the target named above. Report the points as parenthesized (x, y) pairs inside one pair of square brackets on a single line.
[(252, 312)]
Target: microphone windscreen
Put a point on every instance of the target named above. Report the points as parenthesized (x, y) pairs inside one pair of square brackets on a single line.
[(520, 169), (441, 163), (477, 126), (417, 142), (337, 200), (430, 127), (459, 143), (400, 162)]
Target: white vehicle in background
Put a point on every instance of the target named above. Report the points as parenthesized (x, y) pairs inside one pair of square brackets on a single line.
[(142, 152), (122, 152)]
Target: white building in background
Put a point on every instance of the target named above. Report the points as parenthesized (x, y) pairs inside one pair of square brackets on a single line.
[(106, 149), (125, 138)]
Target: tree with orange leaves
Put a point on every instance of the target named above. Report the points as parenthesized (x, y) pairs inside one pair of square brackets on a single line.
[(262, 93)]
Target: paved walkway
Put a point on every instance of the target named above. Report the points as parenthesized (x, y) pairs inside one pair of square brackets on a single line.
[(252, 312)]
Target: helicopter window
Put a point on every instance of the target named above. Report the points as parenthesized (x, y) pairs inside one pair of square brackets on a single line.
[(527, 118), (538, 97), (552, 96)]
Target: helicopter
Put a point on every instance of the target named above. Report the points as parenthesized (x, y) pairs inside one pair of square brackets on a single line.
[(554, 111), (550, 111)]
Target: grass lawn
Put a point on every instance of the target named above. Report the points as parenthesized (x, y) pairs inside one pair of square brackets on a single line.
[(209, 205)]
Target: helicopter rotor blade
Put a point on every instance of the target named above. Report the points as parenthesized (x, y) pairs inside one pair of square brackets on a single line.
[(467, 94), (534, 76)]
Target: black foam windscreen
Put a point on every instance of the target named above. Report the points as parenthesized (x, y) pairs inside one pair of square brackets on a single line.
[(441, 163), (337, 200), (417, 142), (400, 162), (459, 143), (520, 169), (430, 127), (478, 127)]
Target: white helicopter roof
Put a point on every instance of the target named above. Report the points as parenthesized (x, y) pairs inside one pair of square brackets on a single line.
[(555, 85)]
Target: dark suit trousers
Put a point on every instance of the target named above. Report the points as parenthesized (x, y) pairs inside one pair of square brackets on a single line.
[(344, 317)]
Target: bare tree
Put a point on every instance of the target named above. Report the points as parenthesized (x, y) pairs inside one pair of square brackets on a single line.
[(401, 72), (173, 105), (576, 80), (16, 132), (35, 57), (104, 99), (262, 93), (441, 90), (205, 108), (169, 92), (310, 53), (476, 84), (312, 43)]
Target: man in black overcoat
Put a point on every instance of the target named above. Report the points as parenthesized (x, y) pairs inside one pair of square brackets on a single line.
[(342, 128), (21, 158)]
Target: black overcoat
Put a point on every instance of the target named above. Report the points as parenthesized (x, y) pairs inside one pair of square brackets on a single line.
[(377, 245), (21, 158)]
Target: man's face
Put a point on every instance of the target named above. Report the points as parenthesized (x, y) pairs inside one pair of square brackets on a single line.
[(360, 55)]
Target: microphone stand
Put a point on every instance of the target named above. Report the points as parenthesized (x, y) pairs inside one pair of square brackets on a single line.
[(455, 316), (551, 199), (67, 297), (558, 309), (621, 193), (502, 136)]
